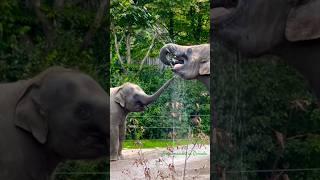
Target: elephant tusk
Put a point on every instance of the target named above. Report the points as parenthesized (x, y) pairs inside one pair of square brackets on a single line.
[(171, 65)]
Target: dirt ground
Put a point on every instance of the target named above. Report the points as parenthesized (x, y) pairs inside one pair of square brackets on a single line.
[(157, 163)]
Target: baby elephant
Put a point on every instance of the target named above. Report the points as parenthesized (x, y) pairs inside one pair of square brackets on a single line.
[(124, 99), (58, 115)]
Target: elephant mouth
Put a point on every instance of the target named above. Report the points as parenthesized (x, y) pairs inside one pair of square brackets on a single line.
[(95, 140), (176, 62), (141, 108)]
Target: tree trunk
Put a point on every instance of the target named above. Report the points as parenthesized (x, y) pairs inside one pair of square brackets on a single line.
[(46, 25), (198, 28), (116, 46), (96, 24), (171, 26), (148, 52), (128, 47), (192, 19), (111, 53)]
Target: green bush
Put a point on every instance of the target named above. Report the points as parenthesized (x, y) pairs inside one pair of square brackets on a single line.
[(255, 100)]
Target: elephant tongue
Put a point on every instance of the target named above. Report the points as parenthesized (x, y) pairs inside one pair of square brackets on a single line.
[(177, 66)]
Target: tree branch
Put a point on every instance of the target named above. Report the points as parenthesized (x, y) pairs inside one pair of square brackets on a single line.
[(116, 46), (46, 25), (96, 24), (302, 136), (148, 52)]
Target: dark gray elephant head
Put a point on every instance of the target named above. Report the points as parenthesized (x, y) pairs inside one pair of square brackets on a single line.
[(189, 62), (259, 26), (67, 111), (131, 97)]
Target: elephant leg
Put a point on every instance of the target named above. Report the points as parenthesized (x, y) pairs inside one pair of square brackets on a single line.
[(114, 143), (122, 136)]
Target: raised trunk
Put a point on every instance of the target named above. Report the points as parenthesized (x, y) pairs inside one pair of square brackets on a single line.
[(163, 55), (153, 97), (170, 49)]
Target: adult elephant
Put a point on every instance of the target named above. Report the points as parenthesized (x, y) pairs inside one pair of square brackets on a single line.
[(123, 100), (189, 62), (58, 115), (289, 29)]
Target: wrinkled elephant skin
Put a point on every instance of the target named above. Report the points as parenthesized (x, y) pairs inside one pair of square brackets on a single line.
[(58, 115), (289, 29)]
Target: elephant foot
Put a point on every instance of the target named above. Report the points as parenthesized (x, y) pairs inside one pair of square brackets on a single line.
[(114, 158)]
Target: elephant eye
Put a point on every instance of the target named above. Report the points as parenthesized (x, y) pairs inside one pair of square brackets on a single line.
[(84, 112)]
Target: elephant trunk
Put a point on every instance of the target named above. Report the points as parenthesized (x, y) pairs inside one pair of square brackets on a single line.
[(166, 51), (151, 98), (224, 12)]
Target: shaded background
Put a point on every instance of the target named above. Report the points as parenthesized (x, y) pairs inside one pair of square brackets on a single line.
[(37, 34), (268, 121)]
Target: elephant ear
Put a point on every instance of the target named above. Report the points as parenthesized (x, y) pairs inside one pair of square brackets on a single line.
[(30, 115), (204, 68), (303, 22), (119, 97)]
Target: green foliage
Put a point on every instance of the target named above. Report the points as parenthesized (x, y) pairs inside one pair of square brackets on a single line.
[(154, 143), (151, 24), (255, 100), (158, 114), (26, 50), (183, 22)]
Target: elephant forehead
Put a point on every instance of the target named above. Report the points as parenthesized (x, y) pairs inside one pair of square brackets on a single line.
[(80, 80), (68, 86), (201, 51), (199, 57), (130, 87)]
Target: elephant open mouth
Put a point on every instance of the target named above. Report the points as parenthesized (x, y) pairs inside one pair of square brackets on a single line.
[(173, 59), (176, 62), (141, 108)]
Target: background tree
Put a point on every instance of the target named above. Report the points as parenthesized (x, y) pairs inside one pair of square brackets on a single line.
[(268, 116), (151, 24)]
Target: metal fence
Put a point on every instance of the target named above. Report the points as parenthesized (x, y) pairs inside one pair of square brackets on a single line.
[(75, 174), (168, 125)]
